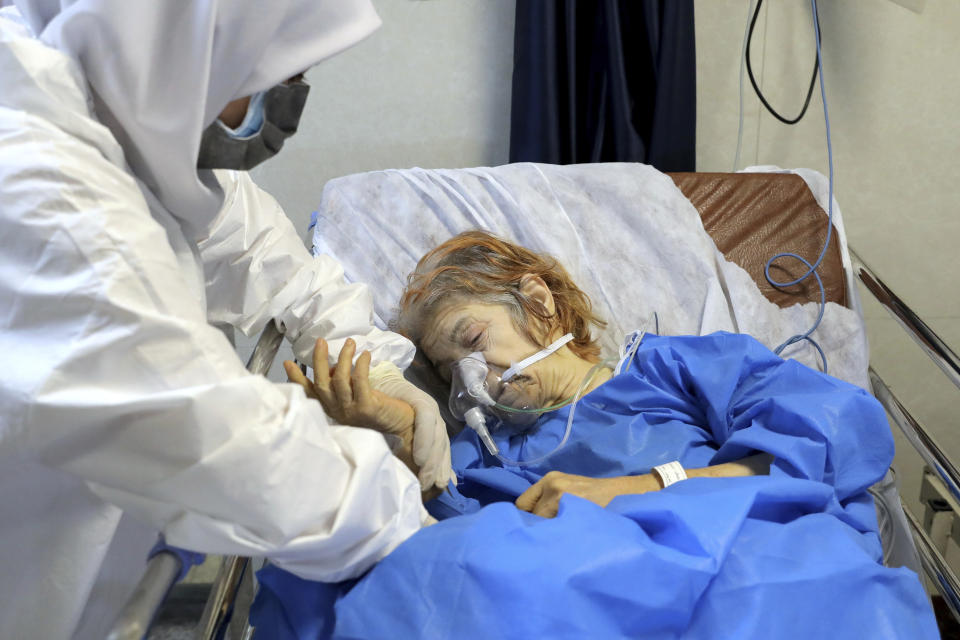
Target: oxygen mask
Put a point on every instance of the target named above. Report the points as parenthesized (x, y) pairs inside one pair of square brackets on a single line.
[(478, 389), (477, 384)]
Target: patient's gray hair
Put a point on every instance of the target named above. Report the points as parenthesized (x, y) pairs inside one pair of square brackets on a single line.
[(478, 267)]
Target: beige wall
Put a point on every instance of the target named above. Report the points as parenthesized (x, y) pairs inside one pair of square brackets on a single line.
[(893, 87), (430, 88)]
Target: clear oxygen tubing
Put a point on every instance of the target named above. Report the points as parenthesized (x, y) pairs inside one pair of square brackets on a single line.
[(566, 434), (552, 407), (573, 406)]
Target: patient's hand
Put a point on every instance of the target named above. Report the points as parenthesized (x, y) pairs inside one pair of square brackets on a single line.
[(345, 393), (542, 498)]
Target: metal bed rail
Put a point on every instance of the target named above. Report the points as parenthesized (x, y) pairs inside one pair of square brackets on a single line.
[(937, 350), (934, 564), (917, 435), (220, 605), (134, 620), (922, 441)]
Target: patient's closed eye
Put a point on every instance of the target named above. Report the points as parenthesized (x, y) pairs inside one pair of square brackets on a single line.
[(469, 334), (476, 341)]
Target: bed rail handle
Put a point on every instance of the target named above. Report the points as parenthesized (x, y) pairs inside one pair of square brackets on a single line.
[(932, 560), (162, 570), (219, 606), (265, 351), (935, 566), (138, 613), (935, 348), (917, 435)]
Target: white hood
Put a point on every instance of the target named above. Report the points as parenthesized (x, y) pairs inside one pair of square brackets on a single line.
[(161, 71)]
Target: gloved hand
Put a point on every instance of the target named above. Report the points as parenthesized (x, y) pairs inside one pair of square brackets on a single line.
[(431, 446)]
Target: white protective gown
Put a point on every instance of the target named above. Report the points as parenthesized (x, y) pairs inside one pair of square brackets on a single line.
[(116, 394)]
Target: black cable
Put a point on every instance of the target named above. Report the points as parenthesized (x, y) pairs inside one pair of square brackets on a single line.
[(753, 80)]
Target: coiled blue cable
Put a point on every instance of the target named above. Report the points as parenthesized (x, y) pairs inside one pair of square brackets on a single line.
[(812, 268)]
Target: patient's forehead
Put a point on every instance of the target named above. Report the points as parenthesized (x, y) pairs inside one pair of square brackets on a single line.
[(444, 332), (439, 329)]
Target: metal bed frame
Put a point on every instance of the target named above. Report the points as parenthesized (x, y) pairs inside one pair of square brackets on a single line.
[(925, 444), (135, 619)]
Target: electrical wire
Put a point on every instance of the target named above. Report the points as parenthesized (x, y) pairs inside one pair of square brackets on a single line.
[(811, 268), (743, 56), (753, 81)]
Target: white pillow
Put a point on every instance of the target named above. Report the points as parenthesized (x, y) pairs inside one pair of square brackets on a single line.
[(628, 236)]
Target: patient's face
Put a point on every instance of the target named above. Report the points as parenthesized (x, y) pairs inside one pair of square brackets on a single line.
[(462, 329)]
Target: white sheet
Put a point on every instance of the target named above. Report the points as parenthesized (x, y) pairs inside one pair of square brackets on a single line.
[(628, 236)]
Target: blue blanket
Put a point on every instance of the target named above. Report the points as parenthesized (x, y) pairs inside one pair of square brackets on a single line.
[(791, 555)]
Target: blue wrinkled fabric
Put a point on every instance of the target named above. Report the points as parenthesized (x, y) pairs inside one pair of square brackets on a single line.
[(791, 555)]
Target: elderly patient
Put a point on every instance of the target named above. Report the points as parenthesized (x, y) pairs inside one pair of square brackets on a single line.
[(770, 534), (479, 294)]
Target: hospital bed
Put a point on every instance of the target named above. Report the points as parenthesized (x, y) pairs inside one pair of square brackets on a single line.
[(749, 217)]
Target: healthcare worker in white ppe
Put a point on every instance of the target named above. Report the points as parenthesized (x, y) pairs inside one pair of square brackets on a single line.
[(123, 412)]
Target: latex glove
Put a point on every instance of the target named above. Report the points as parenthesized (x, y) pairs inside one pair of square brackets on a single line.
[(431, 446)]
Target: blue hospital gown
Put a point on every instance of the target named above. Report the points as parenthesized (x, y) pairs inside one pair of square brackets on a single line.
[(791, 555)]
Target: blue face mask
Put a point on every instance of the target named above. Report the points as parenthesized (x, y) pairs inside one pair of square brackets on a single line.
[(252, 122), (272, 117)]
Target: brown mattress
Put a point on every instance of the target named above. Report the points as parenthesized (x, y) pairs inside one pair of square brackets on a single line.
[(753, 216)]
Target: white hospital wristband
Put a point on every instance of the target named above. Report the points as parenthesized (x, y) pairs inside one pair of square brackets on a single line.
[(670, 473)]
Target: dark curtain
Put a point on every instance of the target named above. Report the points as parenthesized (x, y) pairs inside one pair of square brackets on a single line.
[(604, 81)]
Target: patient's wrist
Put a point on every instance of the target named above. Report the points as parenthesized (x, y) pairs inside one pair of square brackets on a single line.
[(755, 465), (406, 438), (401, 444), (641, 484)]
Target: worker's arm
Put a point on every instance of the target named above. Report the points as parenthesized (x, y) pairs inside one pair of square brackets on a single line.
[(257, 269), (112, 374)]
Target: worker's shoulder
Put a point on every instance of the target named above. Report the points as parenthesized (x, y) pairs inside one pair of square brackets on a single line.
[(45, 101)]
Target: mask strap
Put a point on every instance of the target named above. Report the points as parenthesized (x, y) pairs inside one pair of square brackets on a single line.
[(537, 357)]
